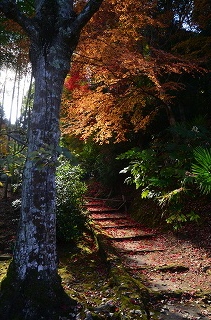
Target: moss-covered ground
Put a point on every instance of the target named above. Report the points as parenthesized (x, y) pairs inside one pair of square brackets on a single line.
[(96, 278), (98, 281)]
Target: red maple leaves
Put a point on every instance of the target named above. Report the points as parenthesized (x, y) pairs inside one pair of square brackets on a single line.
[(76, 81)]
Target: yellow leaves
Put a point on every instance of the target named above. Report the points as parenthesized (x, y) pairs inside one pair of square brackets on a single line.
[(104, 115), (92, 116)]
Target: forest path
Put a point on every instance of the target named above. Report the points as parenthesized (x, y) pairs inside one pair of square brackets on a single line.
[(176, 271)]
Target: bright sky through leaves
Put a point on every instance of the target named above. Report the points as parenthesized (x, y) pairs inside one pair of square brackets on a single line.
[(11, 97)]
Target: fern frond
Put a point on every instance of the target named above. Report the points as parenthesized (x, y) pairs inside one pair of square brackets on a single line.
[(202, 169)]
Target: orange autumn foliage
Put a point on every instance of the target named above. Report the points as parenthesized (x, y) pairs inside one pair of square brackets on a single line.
[(14, 53), (128, 77)]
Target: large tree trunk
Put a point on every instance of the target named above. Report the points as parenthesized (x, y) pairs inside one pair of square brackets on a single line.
[(37, 225), (35, 259), (32, 289)]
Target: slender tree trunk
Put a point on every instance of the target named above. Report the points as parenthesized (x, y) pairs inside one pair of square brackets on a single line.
[(4, 88), (13, 95), (170, 114), (27, 108)]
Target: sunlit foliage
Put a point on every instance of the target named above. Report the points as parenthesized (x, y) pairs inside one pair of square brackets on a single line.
[(129, 66)]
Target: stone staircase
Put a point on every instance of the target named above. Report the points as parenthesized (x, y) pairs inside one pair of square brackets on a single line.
[(167, 266)]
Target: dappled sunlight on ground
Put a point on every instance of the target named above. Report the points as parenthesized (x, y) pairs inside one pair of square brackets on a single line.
[(165, 263)]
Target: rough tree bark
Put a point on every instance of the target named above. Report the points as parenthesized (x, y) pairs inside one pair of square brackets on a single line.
[(32, 289)]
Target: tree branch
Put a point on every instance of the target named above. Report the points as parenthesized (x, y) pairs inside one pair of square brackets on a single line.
[(86, 14), (11, 11)]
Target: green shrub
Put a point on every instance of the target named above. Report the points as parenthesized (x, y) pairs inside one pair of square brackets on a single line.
[(166, 172), (70, 189)]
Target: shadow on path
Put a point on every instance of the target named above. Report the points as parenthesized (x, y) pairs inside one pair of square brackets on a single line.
[(176, 271)]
